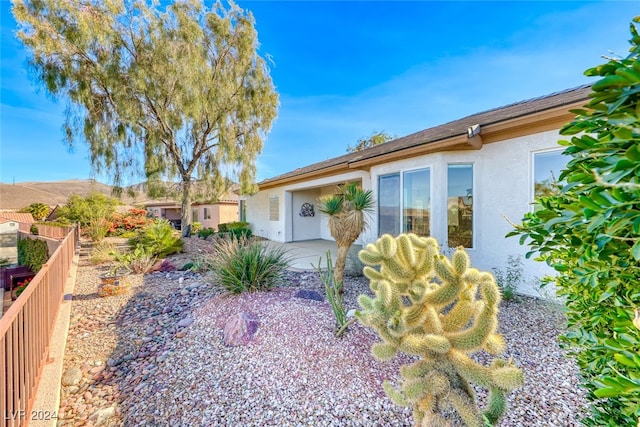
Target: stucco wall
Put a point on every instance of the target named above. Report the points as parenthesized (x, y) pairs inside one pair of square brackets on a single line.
[(305, 227)]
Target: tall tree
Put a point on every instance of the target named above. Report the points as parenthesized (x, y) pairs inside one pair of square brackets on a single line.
[(376, 138), (174, 93)]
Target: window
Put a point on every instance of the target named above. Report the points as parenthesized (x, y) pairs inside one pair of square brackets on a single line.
[(207, 213), (274, 209), (389, 204), (546, 170), (194, 215), (460, 205), (416, 207), (243, 211)]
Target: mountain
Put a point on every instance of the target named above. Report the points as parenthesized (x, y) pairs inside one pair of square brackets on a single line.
[(19, 195)]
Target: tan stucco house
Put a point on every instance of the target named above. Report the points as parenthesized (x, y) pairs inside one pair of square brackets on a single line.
[(456, 182), (210, 215)]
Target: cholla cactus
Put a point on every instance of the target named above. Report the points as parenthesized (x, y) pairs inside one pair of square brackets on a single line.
[(440, 310)]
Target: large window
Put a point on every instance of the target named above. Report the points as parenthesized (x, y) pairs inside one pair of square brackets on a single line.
[(389, 204), (416, 202), (207, 213), (460, 205), (546, 170)]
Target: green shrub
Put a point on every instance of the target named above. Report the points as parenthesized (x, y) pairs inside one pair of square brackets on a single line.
[(332, 290), (206, 232), (196, 227), (590, 234), (34, 230), (39, 211), (241, 265), (32, 253), (159, 239), (227, 226), (138, 261)]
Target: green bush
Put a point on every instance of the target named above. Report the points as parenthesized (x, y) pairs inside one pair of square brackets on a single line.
[(32, 253), (196, 227), (159, 239), (86, 210), (101, 253), (241, 265), (227, 226), (39, 211), (590, 235), (206, 232)]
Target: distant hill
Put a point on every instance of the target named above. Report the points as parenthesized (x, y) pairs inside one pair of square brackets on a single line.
[(19, 195), (22, 194)]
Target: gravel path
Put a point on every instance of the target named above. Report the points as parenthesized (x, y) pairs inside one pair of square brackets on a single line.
[(155, 357)]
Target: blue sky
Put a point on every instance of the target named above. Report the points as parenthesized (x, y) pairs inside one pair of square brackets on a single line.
[(348, 68)]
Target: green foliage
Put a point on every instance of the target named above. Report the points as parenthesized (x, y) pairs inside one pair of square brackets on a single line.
[(590, 235), (196, 227), (34, 230), (90, 212), (138, 261), (244, 265), (228, 226), (234, 230), (334, 296), (376, 138), (170, 90), (206, 232), (510, 278), (4, 262), (440, 310), (159, 239), (39, 211), (32, 253)]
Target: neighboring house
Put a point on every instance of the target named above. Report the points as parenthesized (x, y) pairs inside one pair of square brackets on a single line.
[(23, 219), (460, 182), (10, 224), (210, 215)]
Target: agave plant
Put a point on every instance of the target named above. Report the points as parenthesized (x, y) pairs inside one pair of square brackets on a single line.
[(348, 211)]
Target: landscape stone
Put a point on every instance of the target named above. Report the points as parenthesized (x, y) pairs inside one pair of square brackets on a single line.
[(187, 321), (240, 329), (308, 294), (72, 376)]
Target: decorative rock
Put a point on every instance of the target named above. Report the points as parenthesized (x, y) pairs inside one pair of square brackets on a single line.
[(308, 294), (72, 376), (102, 416), (240, 329), (187, 321)]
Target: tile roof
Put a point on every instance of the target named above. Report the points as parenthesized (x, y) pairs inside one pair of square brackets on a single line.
[(25, 218), (450, 129)]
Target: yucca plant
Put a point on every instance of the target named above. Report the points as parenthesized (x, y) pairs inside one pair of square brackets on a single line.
[(245, 265), (348, 211)]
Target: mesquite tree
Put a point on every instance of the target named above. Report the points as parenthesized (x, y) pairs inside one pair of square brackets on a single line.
[(175, 92)]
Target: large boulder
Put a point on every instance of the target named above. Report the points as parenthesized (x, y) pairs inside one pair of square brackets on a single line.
[(240, 329), (309, 294)]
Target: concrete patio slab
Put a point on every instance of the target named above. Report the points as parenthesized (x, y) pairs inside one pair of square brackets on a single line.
[(307, 253)]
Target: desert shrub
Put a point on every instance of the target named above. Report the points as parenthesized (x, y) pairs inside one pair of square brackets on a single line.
[(243, 265), (159, 239), (32, 253), (239, 233), (590, 234), (138, 261), (97, 229), (510, 277), (124, 224), (332, 290), (206, 232), (34, 230), (101, 253)]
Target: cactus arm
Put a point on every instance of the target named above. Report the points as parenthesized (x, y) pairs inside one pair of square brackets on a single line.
[(467, 409)]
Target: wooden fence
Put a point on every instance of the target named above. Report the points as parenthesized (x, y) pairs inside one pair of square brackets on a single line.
[(25, 334)]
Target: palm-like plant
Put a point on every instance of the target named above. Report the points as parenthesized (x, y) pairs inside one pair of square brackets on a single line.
[(348, 211)]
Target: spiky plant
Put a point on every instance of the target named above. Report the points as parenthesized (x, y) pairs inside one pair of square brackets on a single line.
[(440, 310), (348, 210)]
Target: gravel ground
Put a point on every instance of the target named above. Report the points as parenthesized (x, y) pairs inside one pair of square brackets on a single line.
[(155, 357)]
